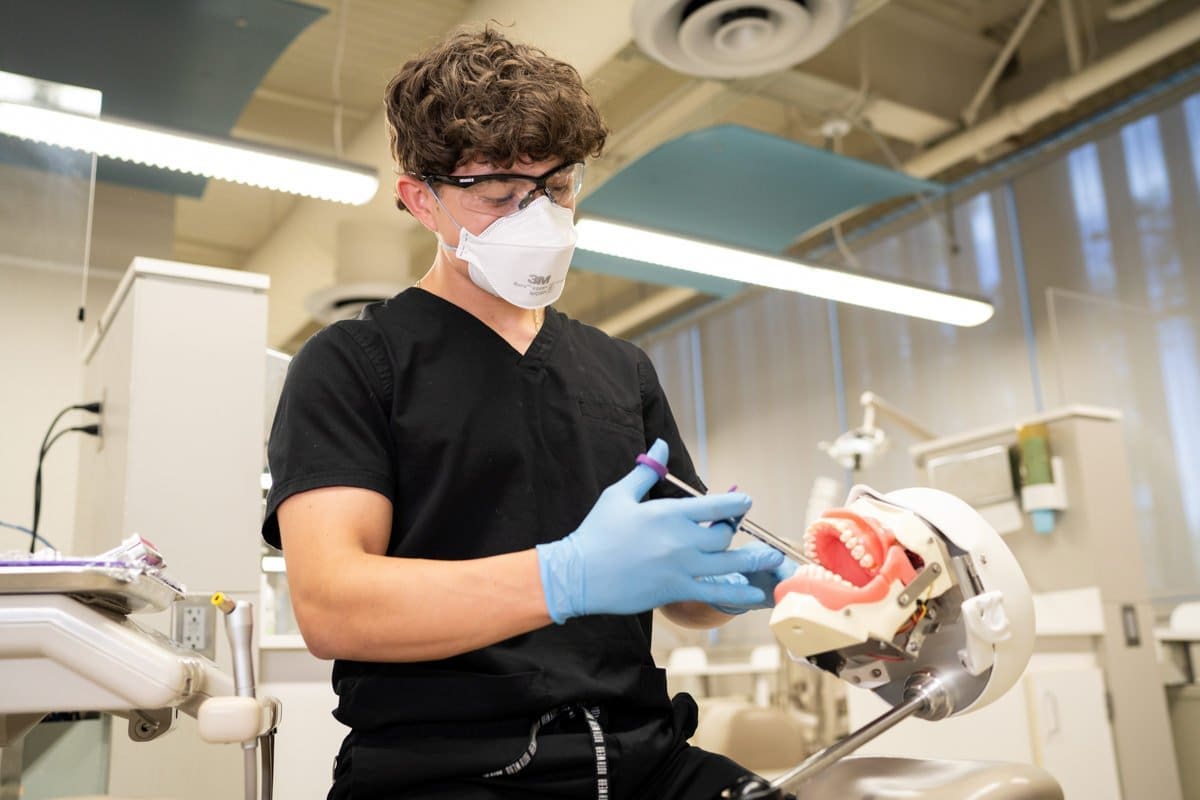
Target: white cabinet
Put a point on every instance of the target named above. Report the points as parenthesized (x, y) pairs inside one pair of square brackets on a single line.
[(1070, 731)]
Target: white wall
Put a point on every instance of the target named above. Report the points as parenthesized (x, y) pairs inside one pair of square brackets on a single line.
[(39, 351), (42, 225)]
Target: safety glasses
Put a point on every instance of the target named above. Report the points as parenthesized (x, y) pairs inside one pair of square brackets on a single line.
[(502, 193)]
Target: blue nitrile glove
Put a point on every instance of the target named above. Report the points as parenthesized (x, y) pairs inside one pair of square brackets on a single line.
[(629, 556), (773, 569)]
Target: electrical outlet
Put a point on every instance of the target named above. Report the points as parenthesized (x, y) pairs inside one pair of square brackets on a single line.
[(194, 624), (193, 633)]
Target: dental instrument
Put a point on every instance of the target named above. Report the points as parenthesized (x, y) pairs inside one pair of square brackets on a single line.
[(744, 524)]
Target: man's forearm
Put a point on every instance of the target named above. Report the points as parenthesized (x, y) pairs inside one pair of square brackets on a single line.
[(379, 608)]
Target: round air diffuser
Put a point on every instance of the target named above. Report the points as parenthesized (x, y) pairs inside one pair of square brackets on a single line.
[(736, 38)]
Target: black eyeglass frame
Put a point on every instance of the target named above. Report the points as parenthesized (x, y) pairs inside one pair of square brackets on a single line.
[(539, 181)]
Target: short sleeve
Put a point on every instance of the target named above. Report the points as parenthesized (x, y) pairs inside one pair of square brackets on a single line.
[(659, 423), (332, 425)]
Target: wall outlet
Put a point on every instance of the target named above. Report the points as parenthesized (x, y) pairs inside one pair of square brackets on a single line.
[(194, 624)]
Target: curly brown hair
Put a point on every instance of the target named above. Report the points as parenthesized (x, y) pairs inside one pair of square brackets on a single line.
[(479, 97)]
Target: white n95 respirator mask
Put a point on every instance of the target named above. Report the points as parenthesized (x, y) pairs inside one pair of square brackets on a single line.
[(522, 258)]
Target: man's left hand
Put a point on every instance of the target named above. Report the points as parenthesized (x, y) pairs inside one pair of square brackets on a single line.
[(767, 578)]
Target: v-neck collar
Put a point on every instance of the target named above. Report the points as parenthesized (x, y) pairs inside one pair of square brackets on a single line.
[(539, 348), (543, 343)]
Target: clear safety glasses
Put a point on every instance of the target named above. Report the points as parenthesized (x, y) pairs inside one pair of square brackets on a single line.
[(501, 193)]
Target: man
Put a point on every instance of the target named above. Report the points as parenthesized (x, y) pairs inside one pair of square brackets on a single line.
[(440, 468)]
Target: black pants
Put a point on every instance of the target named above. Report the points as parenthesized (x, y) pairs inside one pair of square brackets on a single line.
[(646, 761)]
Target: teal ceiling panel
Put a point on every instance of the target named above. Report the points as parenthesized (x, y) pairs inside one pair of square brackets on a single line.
[(187, 64), (739, 187)]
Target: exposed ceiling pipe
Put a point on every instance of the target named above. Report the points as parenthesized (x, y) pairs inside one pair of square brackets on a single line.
[(1059, 96), (971, 112), (1123, 12), (1070, 23)]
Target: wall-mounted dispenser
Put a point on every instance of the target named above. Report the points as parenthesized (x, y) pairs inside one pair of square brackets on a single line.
[(1040, 474)]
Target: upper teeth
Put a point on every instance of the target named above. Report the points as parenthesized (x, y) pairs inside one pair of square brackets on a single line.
[(850, 538)]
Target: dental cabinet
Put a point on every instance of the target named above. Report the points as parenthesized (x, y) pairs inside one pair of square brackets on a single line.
[(177, 360)]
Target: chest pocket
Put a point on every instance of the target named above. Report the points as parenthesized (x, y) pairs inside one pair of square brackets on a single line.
[(615, 435)]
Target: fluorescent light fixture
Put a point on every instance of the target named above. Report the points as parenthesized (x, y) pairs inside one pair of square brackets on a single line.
[(745, 266), (48, 94), (224, 159)]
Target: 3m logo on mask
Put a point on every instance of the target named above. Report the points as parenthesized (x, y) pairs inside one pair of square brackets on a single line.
[(523, 257)]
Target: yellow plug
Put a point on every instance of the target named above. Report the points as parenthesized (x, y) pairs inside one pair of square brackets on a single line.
[(222, 602)]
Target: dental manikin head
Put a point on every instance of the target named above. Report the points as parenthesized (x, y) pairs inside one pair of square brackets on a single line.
[(909, 584)]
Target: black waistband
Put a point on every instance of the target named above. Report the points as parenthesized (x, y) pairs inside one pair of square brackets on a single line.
[(613, 719), (487, 706)]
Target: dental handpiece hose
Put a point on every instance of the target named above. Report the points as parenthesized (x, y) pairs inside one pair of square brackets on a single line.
[(239, 626), (744, 525)]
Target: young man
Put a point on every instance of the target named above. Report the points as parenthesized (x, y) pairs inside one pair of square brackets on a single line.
[(441, 467)]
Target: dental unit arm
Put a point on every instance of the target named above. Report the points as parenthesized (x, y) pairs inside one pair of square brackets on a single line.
[(68, 641)]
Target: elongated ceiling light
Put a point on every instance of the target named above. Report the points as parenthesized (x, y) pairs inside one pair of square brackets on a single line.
[(745, 266), (223, 159)]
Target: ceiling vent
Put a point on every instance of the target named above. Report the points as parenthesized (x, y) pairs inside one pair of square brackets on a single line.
[(374, 262), (736, 38)]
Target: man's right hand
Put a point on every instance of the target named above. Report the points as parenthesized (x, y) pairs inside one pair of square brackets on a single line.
[(630, 556)]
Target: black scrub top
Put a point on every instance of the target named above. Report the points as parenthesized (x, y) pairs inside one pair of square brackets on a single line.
[(481, 451)]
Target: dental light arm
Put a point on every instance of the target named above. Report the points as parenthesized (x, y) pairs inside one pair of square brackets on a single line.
[(861, 447), (872, 403)]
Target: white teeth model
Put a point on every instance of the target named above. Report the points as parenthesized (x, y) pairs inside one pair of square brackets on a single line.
[(850, 539)]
